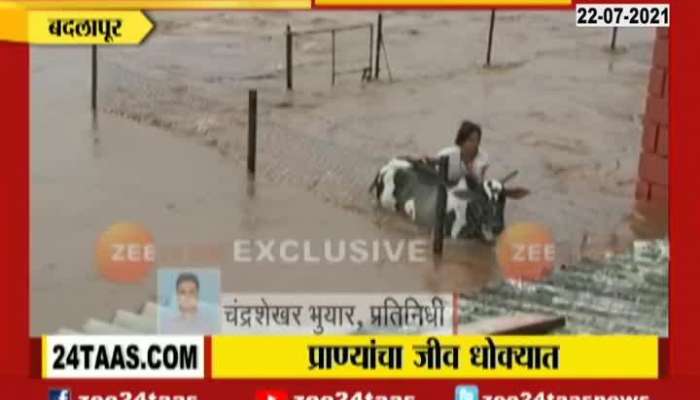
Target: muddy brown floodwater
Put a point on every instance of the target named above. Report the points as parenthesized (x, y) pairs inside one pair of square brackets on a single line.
[(169, 150)]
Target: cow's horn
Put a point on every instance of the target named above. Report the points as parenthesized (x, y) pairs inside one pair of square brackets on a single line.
[(510, 176)]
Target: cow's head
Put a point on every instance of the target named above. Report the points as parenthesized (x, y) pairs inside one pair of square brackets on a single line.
[(486, 202)]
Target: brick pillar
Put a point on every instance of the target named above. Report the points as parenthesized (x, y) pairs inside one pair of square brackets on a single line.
[(652, 182)]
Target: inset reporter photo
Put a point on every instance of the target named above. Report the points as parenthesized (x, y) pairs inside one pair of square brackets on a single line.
[(189, 300)]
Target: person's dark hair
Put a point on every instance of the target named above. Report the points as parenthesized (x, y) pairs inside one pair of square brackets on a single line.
[(466, 129), (187, 277)]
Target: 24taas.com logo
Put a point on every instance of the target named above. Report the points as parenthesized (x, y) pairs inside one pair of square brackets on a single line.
[(467, 392), (59, 394)]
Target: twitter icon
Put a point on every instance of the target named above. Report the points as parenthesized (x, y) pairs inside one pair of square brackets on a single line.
[(467, 392)]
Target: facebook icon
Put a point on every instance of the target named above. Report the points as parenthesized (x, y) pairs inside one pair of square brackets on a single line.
[(59, 394), (467, 392)]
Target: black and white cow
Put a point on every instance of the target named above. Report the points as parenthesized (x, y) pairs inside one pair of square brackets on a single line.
[(474, 210)]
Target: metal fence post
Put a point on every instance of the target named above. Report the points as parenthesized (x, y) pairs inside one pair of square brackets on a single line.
[(94, 81), (441, 206), (379, 44), (332, 57), (288, 35), (488, 51), (371, 49), (252, 128)]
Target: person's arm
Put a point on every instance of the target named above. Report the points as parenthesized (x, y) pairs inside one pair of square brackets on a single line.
[(424, 159), (482, 174), (430, 160), (446, 152), (482, 164)]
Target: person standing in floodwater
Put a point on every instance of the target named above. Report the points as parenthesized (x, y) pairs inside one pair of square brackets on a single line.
[(466, 156)]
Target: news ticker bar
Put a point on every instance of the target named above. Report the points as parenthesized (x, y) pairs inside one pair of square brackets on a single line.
[(122, 22), (350, 357), (74, 27), (274, 4), (157, 5), (103, 22), (444, 3)]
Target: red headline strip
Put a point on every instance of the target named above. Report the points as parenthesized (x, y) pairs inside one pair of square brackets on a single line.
[(207, 357), (664, 358), (684, 223), (685, 215), (421, 389), (14, 208)]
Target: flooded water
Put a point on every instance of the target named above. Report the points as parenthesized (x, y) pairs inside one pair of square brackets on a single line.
[(169, 148), (84, 179), (540, 104)]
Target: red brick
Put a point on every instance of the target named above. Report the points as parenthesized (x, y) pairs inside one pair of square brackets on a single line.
[(653, 168), (650, 136), (668, 77), (642, 191), (660, 58), (657, 110), (659, 194), (657, 82), (662, 33), (662, 141)]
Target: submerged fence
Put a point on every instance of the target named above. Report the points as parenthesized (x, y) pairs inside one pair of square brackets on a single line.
[(368, 72), (290, 35), (376, 50)]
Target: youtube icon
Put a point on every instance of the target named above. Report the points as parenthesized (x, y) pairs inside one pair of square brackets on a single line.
[(271, 395)]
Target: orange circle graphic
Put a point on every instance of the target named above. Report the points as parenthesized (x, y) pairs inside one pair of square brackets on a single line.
[(125, 252), (526, 251)]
